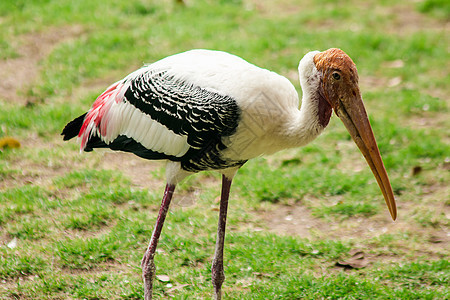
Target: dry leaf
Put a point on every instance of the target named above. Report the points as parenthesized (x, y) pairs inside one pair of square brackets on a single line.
[(357, 261), (163, 278), (394, 81), (9, 142), (12, 244), (416, 170), (177, 287), (260, 275), (435, 239), (395, 64)]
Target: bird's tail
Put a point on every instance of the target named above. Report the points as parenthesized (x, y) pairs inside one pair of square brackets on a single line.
[(73, 128)]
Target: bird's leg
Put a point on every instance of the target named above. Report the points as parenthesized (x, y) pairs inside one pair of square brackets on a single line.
[(147, 264), (218, 275)]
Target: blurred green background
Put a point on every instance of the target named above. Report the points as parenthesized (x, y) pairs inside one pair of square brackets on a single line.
[(76, 226)]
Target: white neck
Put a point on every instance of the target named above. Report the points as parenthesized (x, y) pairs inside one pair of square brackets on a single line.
[(304, 125), (308, 122)]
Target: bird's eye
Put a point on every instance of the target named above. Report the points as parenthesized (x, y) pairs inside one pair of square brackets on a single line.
[(336, 76)]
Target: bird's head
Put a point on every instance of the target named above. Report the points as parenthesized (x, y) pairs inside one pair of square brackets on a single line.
[(339, 78), (338, 85)]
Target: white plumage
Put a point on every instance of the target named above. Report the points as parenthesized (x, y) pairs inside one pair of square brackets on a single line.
[(131, 122)]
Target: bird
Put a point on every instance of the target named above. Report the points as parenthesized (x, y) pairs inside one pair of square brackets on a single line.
[(211, 110)]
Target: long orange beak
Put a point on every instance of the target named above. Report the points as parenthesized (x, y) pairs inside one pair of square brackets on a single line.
[(354, 117)]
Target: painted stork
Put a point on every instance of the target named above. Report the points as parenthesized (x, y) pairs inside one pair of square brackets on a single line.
[(210, 110)]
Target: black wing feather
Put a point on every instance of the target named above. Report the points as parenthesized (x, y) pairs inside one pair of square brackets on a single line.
[(72, 128)]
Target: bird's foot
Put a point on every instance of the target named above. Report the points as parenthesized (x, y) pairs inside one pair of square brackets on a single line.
[(148, 273), (218, 277)]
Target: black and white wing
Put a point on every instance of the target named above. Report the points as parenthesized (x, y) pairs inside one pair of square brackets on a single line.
[(155, 115)]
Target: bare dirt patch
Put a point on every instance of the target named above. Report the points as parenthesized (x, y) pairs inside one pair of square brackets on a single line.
[(137, 169), (147, 174), (17, 74), (284, 7), (292, 220), (31, 172), (429, 121), (407, 20), (403, 19), (364, 232)]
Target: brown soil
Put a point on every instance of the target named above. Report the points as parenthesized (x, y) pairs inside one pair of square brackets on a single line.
[(17, 74)]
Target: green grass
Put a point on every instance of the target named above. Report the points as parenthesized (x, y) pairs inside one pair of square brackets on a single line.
[(82, 222)]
